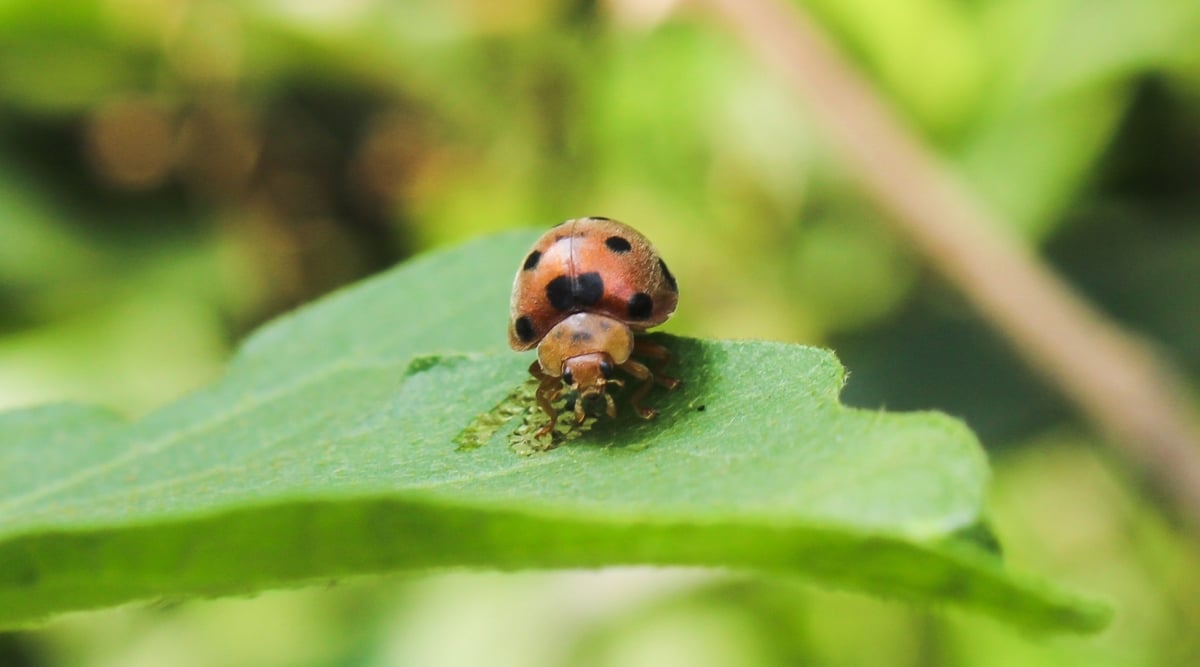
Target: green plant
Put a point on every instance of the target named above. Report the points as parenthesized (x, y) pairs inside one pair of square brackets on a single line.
[(329, 449)]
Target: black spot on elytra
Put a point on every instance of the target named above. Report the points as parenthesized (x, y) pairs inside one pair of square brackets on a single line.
[(589, 288), (617, 244), (667, 274), (524, 327), (599, 217), (640, 306), (559, 292), (532, 260), (584, 291)]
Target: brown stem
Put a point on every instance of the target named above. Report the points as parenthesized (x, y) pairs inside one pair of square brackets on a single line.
[(1112, 377)]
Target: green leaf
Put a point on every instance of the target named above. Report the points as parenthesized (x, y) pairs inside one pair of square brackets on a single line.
[(329, 449)]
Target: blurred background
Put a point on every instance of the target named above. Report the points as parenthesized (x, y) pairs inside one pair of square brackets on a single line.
[(173, 173)]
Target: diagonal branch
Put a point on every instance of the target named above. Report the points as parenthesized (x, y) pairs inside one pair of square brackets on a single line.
[(1111, 377)]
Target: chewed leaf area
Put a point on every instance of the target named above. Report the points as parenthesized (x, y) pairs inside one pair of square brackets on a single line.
[(519, 409), (529, 434), (368, 440)]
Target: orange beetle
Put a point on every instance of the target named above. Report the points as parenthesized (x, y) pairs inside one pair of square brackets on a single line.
[(582, 293)]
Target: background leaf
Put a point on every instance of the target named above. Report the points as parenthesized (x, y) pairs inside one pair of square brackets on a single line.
[(327, 450)]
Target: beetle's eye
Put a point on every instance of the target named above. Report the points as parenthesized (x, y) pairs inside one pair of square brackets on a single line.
[(568, 378), (606, 369)]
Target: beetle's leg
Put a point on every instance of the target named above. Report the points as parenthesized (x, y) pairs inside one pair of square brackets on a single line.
[(580, 415), (548, 391), (639, 371), (661, 356)]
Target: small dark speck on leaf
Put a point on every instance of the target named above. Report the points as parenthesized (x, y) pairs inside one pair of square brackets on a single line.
[(422, 364)]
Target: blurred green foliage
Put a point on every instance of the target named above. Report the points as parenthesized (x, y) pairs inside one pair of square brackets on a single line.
[(174, 173)]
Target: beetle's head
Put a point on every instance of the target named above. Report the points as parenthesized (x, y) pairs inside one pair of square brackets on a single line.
[(589, 375)]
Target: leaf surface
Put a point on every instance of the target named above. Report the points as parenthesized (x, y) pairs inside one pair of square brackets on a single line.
[(329, 450)]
